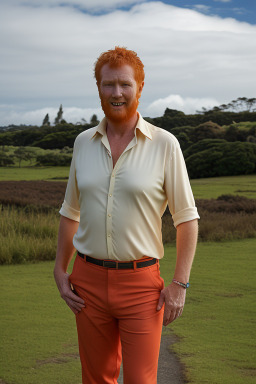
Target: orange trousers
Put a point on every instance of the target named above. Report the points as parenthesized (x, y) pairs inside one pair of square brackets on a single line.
[(119, 323)]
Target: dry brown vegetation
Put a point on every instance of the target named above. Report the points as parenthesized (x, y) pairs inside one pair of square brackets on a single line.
[(41, 194), (226, 218)]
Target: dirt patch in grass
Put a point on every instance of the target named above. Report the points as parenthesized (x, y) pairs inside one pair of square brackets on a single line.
[(62, 359), (229, 295), (248, 372), (41, 194)]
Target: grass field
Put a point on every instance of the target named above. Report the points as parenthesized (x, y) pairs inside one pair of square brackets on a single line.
[(34, 173), (214, 187), (216, 330)]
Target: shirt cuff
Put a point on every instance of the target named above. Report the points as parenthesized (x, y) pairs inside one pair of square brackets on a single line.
[(69, 212), (186, 214)]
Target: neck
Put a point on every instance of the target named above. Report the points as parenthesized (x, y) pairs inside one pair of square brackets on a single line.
[(122, 128)]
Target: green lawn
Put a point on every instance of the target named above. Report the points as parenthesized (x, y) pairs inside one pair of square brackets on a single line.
[(33, 173), (244, 185), (216, 331)]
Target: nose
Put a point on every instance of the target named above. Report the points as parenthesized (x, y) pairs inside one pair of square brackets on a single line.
[(117, 91)]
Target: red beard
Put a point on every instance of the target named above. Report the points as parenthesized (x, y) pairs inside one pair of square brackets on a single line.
[(124, 115)]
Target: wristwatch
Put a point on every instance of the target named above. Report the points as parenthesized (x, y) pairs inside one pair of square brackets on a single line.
[(181, 284)]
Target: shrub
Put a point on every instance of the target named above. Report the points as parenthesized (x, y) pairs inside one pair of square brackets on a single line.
[(54, 159), (210, 158)]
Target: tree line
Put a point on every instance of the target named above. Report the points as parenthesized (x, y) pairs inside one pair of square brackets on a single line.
[(216, 142)]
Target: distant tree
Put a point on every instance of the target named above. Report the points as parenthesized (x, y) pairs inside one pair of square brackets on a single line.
[(238, 105), (21, 154), (30, 154), (251, 104), (251, 139), (5, 159), (183, 140), (207, 130), (173, 113), (94, 120), (220, 158), (231, 133), (46, 120), (58, 118), (54, 159)]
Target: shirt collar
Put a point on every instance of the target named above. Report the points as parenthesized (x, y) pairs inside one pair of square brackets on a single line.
[(141, 125)]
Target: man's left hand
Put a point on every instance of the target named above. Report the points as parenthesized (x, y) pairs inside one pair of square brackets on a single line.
[(174, 298)]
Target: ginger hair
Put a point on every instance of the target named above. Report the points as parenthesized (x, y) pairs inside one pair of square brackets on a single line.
[(118, 57)]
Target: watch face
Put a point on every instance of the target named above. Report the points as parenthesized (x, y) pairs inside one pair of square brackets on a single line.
[(187, 285)]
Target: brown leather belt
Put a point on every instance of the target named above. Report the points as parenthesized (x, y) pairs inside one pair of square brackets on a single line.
[(118, 264)]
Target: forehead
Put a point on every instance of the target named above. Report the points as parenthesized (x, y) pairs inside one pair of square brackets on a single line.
[(121, 72)]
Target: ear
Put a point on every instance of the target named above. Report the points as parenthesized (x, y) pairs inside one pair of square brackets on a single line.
[(140, 88)]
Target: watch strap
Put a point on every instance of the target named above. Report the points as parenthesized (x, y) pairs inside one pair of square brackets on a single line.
[(181, 284)]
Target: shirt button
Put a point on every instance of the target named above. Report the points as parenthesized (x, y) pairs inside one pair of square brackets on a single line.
[(110, 195), (109, 215), (109, 235)]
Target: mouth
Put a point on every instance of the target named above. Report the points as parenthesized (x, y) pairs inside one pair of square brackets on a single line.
[(117, 104)]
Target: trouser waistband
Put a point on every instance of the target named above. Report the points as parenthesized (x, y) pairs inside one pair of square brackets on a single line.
[(118, 264)]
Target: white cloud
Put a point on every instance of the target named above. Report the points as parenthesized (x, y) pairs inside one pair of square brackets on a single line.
[(35, 117), (47, 56), (239, 11), (83, 4), (188, 105), (202, 8), (223, 1)]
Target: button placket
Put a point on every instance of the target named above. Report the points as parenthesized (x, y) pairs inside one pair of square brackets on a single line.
[(109, 223), (109, 216)]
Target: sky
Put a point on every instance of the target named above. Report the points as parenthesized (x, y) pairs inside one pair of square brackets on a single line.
[(196, 54)]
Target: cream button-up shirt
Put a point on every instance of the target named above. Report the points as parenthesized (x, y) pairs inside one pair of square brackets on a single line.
[(119, 210)]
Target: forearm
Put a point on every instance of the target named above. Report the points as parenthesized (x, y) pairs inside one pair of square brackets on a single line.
[(186, 241), (65, 251), (65, 248)]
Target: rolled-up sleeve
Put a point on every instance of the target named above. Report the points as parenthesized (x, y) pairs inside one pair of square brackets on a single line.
[(177, 186), (70, 207)]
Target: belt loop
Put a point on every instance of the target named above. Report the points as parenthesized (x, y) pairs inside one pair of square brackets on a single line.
[(134, 265)]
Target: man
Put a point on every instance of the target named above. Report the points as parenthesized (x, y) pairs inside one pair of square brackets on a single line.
[(123, 174)]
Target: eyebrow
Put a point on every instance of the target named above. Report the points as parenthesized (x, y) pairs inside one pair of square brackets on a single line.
[(121, 80)]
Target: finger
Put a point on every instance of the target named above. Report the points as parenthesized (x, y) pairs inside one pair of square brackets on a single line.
[(168, 314), (174, 316), (160, 301), (73, 295), (76, 301), (170, 317), (76, 298), (168, 320), (74, 306)]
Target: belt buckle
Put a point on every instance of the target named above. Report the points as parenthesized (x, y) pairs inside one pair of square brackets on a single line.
[(109, 264)]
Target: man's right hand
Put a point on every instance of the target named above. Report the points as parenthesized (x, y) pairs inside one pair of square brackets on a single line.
[(74, 302)]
